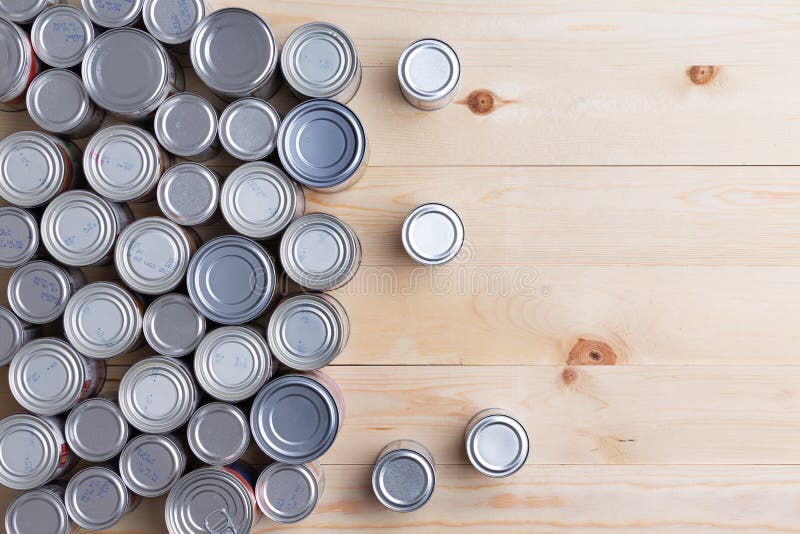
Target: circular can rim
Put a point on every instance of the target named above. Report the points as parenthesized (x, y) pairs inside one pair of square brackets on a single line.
[(149, 325), (112, 24), (33, 227), (264, 504), (44, 78), (447, 212), (160, 123), (73, 440), (71, 498), (64, 286), (381, 464), (165, 204), (430, 96), (225, 123), (149, 19), (45, 494), (18, 331), (49, 444), (37, 39), (126, 463), (25, 16), (488, 420), (194, 441), (50, 147)]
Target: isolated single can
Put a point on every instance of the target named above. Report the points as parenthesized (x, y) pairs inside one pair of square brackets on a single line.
[(432, 234), (97, 499), (40, 511), (38, 292), (404, 476), (18, 65), (218, 433), (58, 102), (429, 73), (23, 11), (61, 35), (186, 125), (173, 326), (248, 129), (151, 464), (14, 333), (33, 451), (96, 430), (288, 493), (19, 237), (497, 443), (114, 13), (188, 194), (258, 200), (173, 21)]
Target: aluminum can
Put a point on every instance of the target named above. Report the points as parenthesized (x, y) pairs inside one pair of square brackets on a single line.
[(38, 292), (186, 125), (33, 451), (14, 333), (248, 129), (429, 73), (231, 280), (61, 35), (23, 11), (258, 200), (173, 22), (173, 326), (58, 102), (151, 464), (40, 511), (18, 66), (96, 430), (113, 13), (497, 443), (404, 476), (188, 194), (432, 234), (218, 433), (19, 237), (97, 499), (288, 493)]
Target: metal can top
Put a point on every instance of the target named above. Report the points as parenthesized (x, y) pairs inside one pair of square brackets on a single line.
[(151, 464), (186, 124), (433, 234), (173, 21), (11, 335), (497, 444), (40, 511), (403, 480), (188, 193), (39, 291), (19, 236), (29, 452), (96, 498), (258, 200), (173, 326), (21, 11), (233, 51), (57, 100), (294, 419), (113, 14), (248, 129), (157, 395), (287, 493), (61, 35), (152, 255), (231, 280), (428, 70), (96, 430), (321, 143), (32, 167), (15, 58), (218, 433)]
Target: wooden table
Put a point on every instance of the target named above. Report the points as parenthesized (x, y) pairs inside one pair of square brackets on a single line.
[(631, 279)]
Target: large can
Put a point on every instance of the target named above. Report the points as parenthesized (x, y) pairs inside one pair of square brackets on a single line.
[(97, 499), (429, 73), (61, 35), (248, 129), (14, 333), (23, 11), (96, 430), (40, 511), (235, 54), (218, 433), (288, 493), (33, 451), (173, 326), (19, 237), (19, 66), (128, 73), (258, 200), (404, 476), (432, 234), (113, 14), (58, 102), (39, 291), (497, 443), (151, 464), (173, 21), (186, 125), (188, 194)]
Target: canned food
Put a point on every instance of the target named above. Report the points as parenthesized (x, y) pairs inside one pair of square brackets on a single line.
[(404, 476), (33, 451), (40, 511), (248, 129), (35, 167), (188, 194), (151, 464), (319, 60), (288, 493), (432, 234), (79, 228), (320, 252), (58, 103), (113, 14), (173, 21), (124, 163), (231, 280), (218, 433), (14, 333), (186, 125), (497, 444), (18, 67), (258, 200), (296, 417), (19, 237), (96, 430), (23, 11), (235, 54), (429, 73), (39, 291), (173, 326), (152, 255), (97, 499), (128, 73), (61, 35), (157, 394), (307, 331)]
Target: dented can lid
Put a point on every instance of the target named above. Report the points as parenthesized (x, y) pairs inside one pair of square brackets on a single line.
[(19, 236), (41, 511), (151, 464), (57, 100), (30, 452), (188, 194), (218, 433), (403, 479), (173, 21), (12, 335), (113, 14), (96, 498), (96, 430), (248, 129), (32, 168), (22, 11), (39, 291), (186, 124), (288, 493), (433, 234), (429, 72), (173, 326), (61, 35), (497, 444)]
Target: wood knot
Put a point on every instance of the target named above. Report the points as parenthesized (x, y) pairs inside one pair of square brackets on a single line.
[(702, 74), (569, 375), (591, 352), (481, 102)]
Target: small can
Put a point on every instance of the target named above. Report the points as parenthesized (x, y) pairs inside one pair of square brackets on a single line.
[(186, 125), (79, 228), (235, 54), (152, 255), (19, 237), (97, 499), (49, 377), (113, 14), (429, 73), (128, 73), (308, 331), (58, 102), (40, 511), (288, 493), (158, 394), (320, 252), (497, 443), (258, 200), (173, 326), (218, 433), (14, 333), (96, 430), (151, 464), (39, 291), (19, 68), (432, 234), (319, 60), (188, 194), (35, 167), (404, 476), (23, 11), (33, 451), (248, 129), (173, 22), (61, 35), (231, 280)]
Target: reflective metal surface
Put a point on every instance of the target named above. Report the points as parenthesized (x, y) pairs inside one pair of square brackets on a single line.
[(186, 125), (497, 444), (151, 464), (173, 326), (433, 234), (188, 194), (218, 433), (429, 72), (61, 35), (58, 102), (404, 476), (248, 129), (288, 493), (39, 291), (33, 451), (19, 236), (96, 430)]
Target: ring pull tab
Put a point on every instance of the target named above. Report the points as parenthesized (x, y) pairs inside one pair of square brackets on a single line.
[(219, 522)]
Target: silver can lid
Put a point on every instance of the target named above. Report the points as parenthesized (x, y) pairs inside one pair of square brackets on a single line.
[(233, 51), (157, 394), (57, 100), (188, 193), (497, 445), (96, 498), (287, 493), (32, 167), (231, 280), (321, 143), (29, 452), (173, 21), (152, 255), (61, 35), (113, 14), (218, 433), (96, 430), (186, 124), (151, 464), (429, 70), (248, 129), (15, 57), (319, 251), (39, 511), (403, 480), (433, 234), (19, 236), (39, 291), (258, 200), (22, 11), (173, 326), (12, 335)]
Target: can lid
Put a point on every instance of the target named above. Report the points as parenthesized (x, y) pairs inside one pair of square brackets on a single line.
[(287, 493), (11, 335), (231, 280), (21, 10), (39, 511), (403, 480), (186, 124), (433, 234), (57, 100), (218, 433), (19, 236), (248, 129), (173, 326), (429, 70), (497, 445), (61, 35), (16, 57), (151, 464), (188, 193), (96, 498), (96, 430), (258, 200), (233, 51), (113, 14), (173, 21), (31, 168), (29, 452), (294, 419), (39, 291), (321, 143)]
